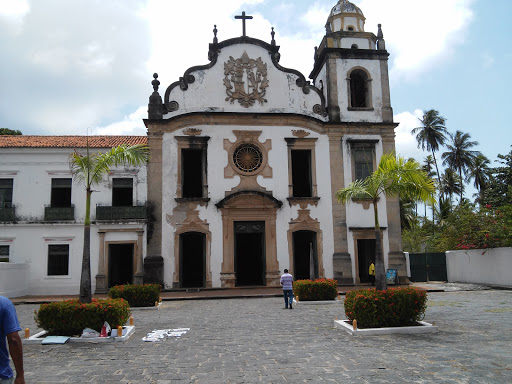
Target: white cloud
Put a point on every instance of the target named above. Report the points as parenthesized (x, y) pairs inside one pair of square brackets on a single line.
[(405, 141), (130, 125)]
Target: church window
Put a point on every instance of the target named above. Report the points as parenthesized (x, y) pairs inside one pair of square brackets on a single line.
[(301, 173), (301, 168), (354, 46), (58, 260), (122, 192), (192, 167), (4, 253), (61, 193), (363, 158), (359, 89), (6, 193), (248, 157), (192, 172), (350, 28)]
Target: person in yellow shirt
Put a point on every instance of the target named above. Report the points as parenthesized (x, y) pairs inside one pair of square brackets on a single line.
[(371, 272)]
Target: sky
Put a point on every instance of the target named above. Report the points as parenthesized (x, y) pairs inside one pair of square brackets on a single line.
[(85, 66)]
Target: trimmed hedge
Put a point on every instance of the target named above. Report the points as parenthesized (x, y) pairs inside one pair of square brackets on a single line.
[(70, 317), (392, 308), (320, 289), (136, 295)]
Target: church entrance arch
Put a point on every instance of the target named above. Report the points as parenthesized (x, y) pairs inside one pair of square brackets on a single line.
[(192, 260), (305, 257), (249, 240), (250, 253)]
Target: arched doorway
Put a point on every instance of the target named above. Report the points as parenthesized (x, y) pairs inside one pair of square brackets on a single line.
[(305, 256), (250, 263), (192, 260)]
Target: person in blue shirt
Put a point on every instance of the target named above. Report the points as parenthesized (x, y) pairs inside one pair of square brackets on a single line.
[(9, 328), (287, 283)]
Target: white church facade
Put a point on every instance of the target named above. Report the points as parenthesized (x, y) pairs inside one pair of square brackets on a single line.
[(245, 159)]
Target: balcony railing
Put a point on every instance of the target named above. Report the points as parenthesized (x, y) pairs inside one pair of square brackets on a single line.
[(7, 214), (59, 213), (137, 212)]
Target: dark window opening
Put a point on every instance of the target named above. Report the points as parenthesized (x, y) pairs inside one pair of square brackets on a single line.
[(61, 193), (122, 192), (354, 46), (363, 162), (301, 173), (192, 172), (351, 28), (358, 89), (4, 253), (58, 260), (5, 193), (192, 256)]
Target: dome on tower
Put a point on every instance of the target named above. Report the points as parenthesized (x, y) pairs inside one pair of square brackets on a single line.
[(344, 6)]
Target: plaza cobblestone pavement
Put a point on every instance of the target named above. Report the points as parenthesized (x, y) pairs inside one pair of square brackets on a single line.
[(255, 340)]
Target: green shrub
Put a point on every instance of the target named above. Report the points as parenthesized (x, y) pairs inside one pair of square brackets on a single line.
[(70, 318), (136, 295), (392, 308), (320, 289)]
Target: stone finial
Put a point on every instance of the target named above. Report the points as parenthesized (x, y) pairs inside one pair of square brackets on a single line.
[(155, 82), (381, 44), (273, 42), (316, 53), (328, 29), (215, 40)]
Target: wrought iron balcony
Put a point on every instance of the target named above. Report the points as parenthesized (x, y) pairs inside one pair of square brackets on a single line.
[(59, 213), (137, 212), (7, 214)]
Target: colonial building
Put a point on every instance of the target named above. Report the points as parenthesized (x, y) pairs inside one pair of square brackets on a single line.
[(245, 158)]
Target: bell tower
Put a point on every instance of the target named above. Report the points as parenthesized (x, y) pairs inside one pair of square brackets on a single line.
[(351, 66)]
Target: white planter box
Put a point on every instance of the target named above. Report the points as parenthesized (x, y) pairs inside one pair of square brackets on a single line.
[(130, 329), (346, 325)]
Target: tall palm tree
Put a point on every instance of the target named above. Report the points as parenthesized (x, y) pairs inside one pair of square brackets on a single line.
[(431, 135), (459, 155), (452, 184), (393, 177), (427, 167), (480, 172), (89, 169)]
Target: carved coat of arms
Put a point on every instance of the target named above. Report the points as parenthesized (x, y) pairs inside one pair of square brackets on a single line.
[(245, 80)]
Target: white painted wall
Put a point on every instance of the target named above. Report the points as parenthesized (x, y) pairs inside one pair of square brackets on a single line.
[(208, 92), (343, 67), (32, 170), (13, 278), (218, 185), (479, 266)]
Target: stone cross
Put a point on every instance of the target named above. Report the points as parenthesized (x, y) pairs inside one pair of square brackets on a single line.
[(243, 18)]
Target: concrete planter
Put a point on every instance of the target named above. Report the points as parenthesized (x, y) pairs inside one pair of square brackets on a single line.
[(346, 325), (130, 329)]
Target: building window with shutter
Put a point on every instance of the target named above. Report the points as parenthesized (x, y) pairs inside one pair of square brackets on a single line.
[(122, 192), (61, 193), (58, 260)]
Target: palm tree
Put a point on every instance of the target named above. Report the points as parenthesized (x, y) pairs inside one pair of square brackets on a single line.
[(393, 177), (459, 155), (480, 172), (427, 167), (431, 135), (452, 184), (90, 169)]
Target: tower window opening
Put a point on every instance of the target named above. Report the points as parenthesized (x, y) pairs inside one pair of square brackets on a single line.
[(354, 46), (359, 89), (350, 28)]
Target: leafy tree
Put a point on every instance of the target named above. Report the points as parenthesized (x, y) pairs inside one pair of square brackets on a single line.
[(498, 191), (431, 134), (7, 131), (480, 172), (89, 169), (451, 183), (393, 177), (459, 155)]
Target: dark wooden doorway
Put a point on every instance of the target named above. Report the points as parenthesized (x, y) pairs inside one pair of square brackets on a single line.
[(250, 265), (120, 264), (365, 256), (304, 244), (192, 260)]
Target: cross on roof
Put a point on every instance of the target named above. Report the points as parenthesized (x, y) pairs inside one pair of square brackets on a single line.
[(243, 18)]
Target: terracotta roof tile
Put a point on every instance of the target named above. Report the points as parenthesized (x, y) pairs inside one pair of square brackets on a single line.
[(22, 141)]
